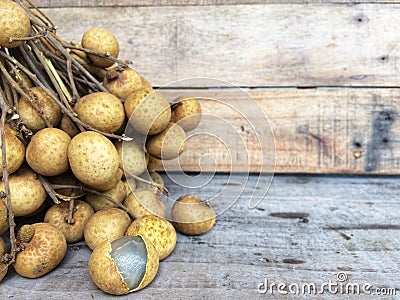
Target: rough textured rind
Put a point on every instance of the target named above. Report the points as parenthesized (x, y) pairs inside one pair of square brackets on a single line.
[(186, 111), (14, 22), (47, 152), (148, 111), (127, 82), (31, 117), (118, 193), (2, 251), (106, 225), (56, 216), (158, 231), (15, 153), (93, 159), (143, 202), (43, 253), (3, 218), (192, 216), (26, 191), (132, 156), (102, 111)]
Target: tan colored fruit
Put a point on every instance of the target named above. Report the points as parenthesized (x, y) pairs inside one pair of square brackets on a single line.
[(154, 164), (14, 23), (42, 253), (31, 117), (186, 111), (146, 84), (192, 216), (26, 191), (125, 265), (57, 216), (152, 177), (102, 111), (26, 233), (15, 152), (3, 267), (132, 157), (101, 41), (3, 218), (106, 225), (148, 111), (68, 126), (158, 231), (121, 83), (118, 193), (143, 202), (47, 153), (22, 79), (93, 159), (168, 144), (66, 178)]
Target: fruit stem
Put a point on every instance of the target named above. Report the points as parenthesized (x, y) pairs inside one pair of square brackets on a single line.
[(160, 187)]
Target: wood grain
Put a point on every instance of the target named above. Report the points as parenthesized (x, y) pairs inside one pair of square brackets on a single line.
[(114, 3), (351, 131), (351, 226), (252, 45)]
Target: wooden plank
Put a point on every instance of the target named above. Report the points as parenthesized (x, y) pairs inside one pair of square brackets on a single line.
[(252, 45), (353, 131), (306, 230), (124, 3)]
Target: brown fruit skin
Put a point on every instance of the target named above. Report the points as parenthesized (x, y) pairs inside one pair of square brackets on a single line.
[(104, 272), (43, 253), (146, 84), (31, 117), (14, 22), (192, 216), (125, 83), (93, 159), (68, 126), (148, 111), (106, 225), (102, 111), (56, 216), (132, 157), (3, 218), (3, 250), (47, 153), (15, 152), (118, 193), (186, 111), (102, 41), (152, 177), (168, 144), (27, 193), (66, 178), (158, 231), (143, 202)]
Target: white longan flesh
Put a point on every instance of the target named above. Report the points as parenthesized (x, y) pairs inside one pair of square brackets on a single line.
[(130, 255)]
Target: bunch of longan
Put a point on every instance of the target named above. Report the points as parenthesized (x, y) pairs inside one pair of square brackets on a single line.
[(80, 134)]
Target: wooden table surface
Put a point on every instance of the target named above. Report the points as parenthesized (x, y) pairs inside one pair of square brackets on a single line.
[(306, 230)]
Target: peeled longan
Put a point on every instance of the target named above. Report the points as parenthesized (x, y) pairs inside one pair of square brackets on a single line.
[(102, 111), (44, 248), (101, 41), (132, 156), (31, 117), (125, 265), (26, 191), (94, 160), (47, 153), (122, 83), (186, 111), (158, 230), (106, 225), (14, 23), (143, 202), (168, 144), (3, 218), (118, 193), (192, 216), (3, 250), (148, 111), (15, 152)]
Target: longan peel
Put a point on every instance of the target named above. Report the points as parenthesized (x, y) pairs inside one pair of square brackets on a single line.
[(143, 202), (122, 83), (15, 152), (186, 111), (3, 250), (158, 230), (42, 253), (3, 218), (118, 193), (14, 22), (47, 152)]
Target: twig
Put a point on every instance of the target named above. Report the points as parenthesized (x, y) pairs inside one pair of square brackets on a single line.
[(160, 187), (49, 189)]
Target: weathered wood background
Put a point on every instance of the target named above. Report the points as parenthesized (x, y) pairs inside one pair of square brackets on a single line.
[(273, 50)]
